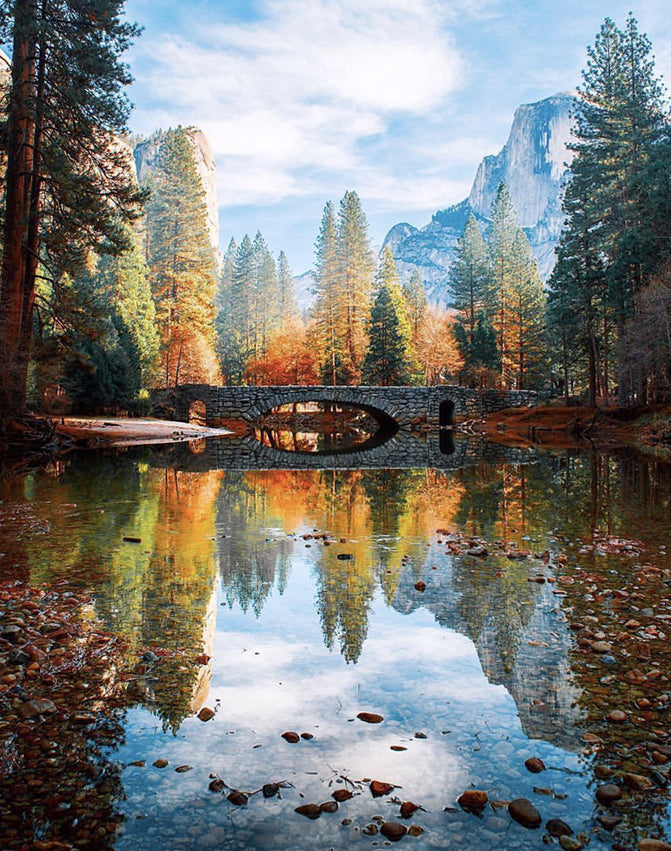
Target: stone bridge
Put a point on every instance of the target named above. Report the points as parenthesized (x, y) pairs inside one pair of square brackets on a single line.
[(393, 406)]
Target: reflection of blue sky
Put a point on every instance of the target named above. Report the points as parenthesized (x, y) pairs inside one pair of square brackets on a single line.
[(397, 99), (273, 673)]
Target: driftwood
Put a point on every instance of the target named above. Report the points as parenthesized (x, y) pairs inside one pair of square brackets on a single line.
[(28, 441)]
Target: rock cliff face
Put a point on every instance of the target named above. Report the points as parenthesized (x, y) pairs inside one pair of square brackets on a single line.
[(146, 154), (532, 163)]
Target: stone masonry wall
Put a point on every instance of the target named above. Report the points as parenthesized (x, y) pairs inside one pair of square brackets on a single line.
[(406, 405)]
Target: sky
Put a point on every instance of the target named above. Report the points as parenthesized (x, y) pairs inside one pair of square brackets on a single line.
[(398, 100)]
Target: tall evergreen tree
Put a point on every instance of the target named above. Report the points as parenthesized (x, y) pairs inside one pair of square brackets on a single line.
[(287, 304), (505, 272), (99, 340), (266, 312), (241, 340), (389, 359), (223, 303), (416, 302), (356, 268), (471, 287), (528, 342), (182, 264), (578, 307), (68, 184), (612, 243), (326, 310), (516, 301)]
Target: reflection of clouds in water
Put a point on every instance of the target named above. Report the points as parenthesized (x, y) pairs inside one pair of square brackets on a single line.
[(410, 673), (442, 665)]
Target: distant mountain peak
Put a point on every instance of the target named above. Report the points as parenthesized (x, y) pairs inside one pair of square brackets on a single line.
[(533, 163)]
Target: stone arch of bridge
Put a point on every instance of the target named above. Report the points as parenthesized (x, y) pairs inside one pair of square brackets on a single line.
[(384, 413)]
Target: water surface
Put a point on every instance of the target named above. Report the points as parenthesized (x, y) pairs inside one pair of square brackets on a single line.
[(303, 588)]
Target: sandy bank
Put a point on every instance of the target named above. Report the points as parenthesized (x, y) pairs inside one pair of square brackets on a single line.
[(120, 431)]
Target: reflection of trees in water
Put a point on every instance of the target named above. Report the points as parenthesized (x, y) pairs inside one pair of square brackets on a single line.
[(178, 585), (345, 588), (154, 592), (252, 559)]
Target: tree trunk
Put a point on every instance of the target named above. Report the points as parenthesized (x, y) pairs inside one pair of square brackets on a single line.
[(591, 359), (16, 287)]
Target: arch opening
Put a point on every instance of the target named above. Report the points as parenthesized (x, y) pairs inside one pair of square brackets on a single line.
[(446, 413), (324, 426)]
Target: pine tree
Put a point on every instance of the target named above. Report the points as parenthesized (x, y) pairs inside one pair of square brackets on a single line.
[(471, 287), (102, 343), (125, 280), (356, 268), (578, 306), (241, 340), (326, 310), (287, 304), (68, 182), (182, 264), (516, 301), (620, 128), (504, 271), (416, 302), (223, 304), (528, 343), (390, 359)]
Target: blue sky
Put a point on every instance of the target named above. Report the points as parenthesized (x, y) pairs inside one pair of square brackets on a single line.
[(397, 99)]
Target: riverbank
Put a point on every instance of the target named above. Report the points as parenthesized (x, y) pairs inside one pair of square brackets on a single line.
[(120, 431), (572, 427)]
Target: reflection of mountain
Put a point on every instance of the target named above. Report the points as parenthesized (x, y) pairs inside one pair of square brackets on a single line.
[(510, 621)]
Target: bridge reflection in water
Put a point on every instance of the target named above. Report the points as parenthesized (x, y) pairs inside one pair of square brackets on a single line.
[(440, 450)]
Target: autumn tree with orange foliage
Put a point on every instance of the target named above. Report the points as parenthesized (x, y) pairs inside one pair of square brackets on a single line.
[(289, 359), (183, 270), (436, 347)]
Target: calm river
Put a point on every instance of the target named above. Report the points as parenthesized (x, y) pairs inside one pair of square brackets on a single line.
[(321, 594)]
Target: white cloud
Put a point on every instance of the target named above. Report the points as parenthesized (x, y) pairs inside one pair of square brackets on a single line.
[(295, 92)]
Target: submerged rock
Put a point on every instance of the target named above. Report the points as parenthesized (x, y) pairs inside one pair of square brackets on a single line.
[(393, 830), (608, 794), (408, 808), (524, 813), (291, 737), (379, 788), (206, 714), (556, 827), (33, 708), (370, 717), (311, 811), (472, 800), (341, 795), (637, 781)]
